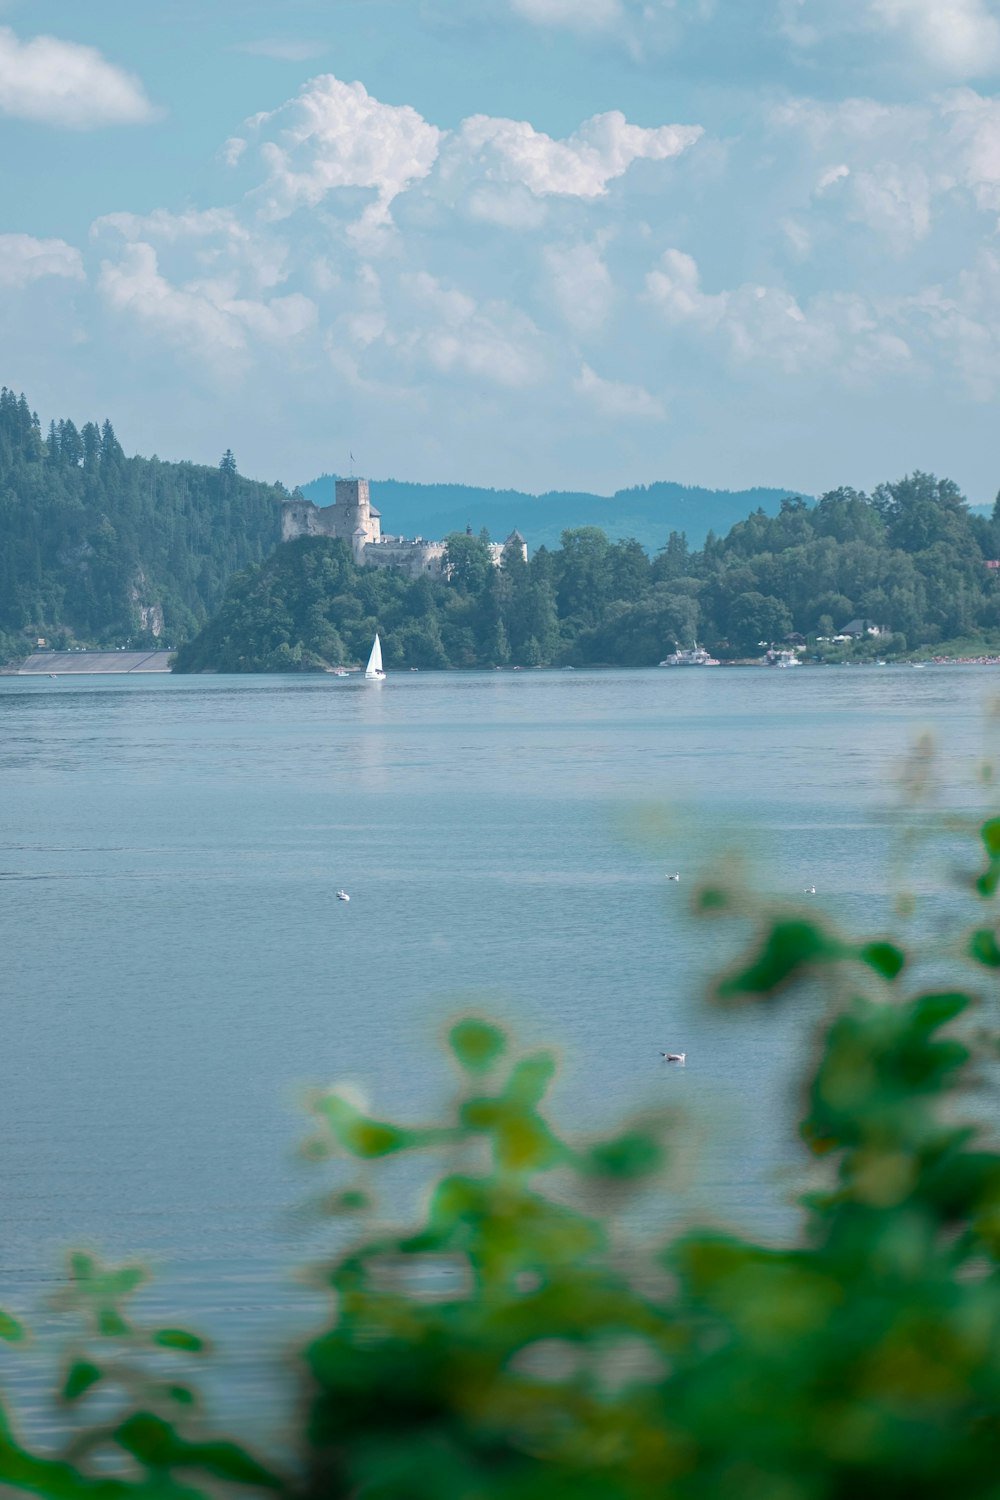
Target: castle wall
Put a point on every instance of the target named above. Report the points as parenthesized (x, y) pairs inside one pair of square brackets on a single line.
[(354, 520), (413, 558)]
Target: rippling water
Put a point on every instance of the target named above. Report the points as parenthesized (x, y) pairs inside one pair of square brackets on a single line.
[(177, 968)]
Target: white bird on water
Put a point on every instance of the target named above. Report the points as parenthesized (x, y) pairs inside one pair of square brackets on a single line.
[(673, 877), (674, 1056), (343, 896), (810, 890)]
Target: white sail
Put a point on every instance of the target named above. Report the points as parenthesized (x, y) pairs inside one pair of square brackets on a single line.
[(374, 667)]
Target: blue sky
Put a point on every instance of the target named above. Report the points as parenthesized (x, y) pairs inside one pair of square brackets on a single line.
[(540, 243)]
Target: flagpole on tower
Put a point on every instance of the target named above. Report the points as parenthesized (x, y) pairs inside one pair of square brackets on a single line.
[(352, 465)]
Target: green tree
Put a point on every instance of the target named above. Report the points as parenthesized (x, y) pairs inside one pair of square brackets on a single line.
[(756, 618)]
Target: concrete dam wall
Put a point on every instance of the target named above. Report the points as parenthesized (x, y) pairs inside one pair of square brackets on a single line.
[(78, 663)]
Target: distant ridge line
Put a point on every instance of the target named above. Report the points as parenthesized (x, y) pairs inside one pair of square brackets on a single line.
[(646, 512)]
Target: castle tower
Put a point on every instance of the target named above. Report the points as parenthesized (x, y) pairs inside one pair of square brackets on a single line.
[(355, 518)]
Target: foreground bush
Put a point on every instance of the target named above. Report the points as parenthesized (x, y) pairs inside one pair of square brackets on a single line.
[(505, 1346)]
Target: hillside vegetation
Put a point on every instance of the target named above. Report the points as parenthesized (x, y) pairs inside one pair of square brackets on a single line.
[(99, 549), (911, 558)]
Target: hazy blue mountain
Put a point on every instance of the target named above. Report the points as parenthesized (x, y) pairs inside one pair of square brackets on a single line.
[(647, 512)]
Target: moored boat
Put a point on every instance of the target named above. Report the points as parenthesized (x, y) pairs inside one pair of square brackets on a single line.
[(696, 657)]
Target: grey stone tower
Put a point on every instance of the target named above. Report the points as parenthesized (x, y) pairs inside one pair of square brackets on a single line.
[(357, 521)]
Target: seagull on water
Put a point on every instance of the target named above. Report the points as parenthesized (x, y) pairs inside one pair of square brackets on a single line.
[(343, 896), (674, 1056), (810, 890), (673, 877)]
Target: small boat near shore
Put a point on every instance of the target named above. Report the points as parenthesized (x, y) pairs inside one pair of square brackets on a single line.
[(696, 657)]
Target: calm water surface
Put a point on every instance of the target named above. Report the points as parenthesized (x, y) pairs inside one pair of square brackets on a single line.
[(176, 967)]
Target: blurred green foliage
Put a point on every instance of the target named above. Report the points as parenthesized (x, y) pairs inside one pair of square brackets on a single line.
[(507, 1343)]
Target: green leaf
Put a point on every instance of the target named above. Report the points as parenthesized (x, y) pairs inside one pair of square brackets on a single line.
[(82, 1266), (178, 1338), (984, 949), (530, 1079), (885, 958), (111, 1324), (11, 1329), (937, 1009), (79, 1379), (788, 948), (712, 898), (476, 1044), (629, 1156)]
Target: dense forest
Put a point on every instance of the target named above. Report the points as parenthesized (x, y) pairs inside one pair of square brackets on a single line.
[(910, 558), (99, 549)]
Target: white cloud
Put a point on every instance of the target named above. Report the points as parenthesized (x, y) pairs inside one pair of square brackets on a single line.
[(637, 26), (832, 175), (24, 259), (335, 135), (953, 38), (576, 15), (511, 207), (895, 201), (64, 83), (283, 50), (758, 324), (836, 336), (581, 286), (203, 318), (602, 149), (900, 164), (617, 400), (961, 37), (455, 335), (231, 151), (223, 245), (973, 142)]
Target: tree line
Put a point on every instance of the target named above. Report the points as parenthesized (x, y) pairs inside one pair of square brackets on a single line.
[(910, 558), (100, 549)]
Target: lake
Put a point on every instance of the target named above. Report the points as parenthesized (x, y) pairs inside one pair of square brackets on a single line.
[(177, 968)]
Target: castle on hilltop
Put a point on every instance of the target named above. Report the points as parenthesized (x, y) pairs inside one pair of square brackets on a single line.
[(354, 519)]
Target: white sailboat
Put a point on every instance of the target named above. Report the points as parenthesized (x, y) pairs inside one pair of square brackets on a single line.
[(373, 671)]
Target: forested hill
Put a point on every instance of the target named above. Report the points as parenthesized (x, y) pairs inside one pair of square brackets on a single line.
[(100, 549), (911, 558), (649, 513)]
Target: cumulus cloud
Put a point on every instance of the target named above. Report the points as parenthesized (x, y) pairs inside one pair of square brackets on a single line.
[(896, 167), (961, 37), (203, 318), (603, 148), (954, 38), (454, 334), (759, 324), (336, 135), (835, 335), (617, 400), (64, 83), (580, 284), (24, 259)]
